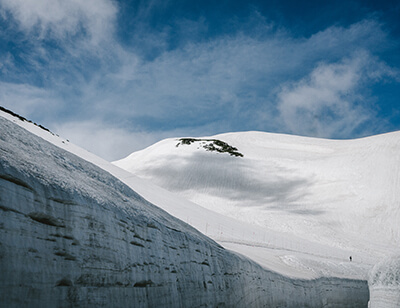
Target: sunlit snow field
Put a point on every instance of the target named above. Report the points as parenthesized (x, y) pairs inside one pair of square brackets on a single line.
[(301, 206), (297, 206)]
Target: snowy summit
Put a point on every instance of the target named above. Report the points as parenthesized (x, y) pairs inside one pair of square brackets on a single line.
[(305, 207)]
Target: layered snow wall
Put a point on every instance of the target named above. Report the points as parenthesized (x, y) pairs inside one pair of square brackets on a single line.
[(384, 283), (72, 235)]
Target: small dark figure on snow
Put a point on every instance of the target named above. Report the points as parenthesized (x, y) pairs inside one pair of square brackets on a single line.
[(351, 259)]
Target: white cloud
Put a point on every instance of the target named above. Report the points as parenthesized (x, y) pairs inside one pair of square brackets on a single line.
[(333, 100), (110, 143), (366, 34), (25, 99), (6, 63), (106, 140), (60, 19), (227, 75), (201, 88)]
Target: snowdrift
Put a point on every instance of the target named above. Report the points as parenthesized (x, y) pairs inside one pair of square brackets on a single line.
[(71, 234), (340, 194)]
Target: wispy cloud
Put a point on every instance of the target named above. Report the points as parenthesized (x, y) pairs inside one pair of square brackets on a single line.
[(333, 101), (229, 77), (62, 19), (255, 78), (111, 142), (25, 98), (105, 140)]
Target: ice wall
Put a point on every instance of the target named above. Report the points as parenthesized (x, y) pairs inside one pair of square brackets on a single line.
[(384, 283), (71, 235)]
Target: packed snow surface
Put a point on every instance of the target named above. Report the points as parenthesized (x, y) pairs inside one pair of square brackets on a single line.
[(73, 234), (301, 206)]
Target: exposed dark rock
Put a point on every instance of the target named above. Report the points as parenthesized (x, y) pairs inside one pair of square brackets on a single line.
[(212, 145)]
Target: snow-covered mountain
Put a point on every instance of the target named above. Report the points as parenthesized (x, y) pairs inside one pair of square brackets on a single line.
[(62, 246), (307, 204), (74, 234), (344, 194)]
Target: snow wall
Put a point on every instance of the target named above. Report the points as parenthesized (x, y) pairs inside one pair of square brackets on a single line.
[(71, 235), (384, 283)]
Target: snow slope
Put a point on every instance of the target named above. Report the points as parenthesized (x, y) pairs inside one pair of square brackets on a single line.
[(72, 234), (312, 202)]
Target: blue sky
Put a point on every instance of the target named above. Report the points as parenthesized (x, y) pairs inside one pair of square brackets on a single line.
[(117, 76)]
